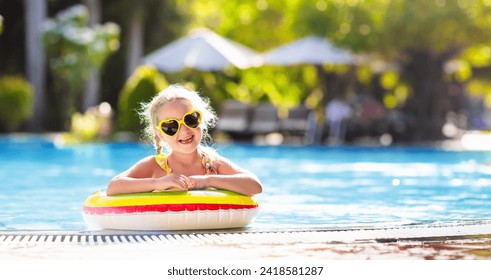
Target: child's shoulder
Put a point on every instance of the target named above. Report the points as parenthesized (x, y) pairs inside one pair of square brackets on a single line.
[(145, 167), (221, 161), (149, 160)]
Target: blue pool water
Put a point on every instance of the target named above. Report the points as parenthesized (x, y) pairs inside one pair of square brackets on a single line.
[(42, 187)]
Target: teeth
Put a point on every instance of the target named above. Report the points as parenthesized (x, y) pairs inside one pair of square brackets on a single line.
[(186, 140)]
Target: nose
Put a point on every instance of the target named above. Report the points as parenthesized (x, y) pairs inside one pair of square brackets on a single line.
[(183, 128)]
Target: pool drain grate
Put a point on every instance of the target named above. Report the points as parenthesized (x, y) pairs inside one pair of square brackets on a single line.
[(323, 235)]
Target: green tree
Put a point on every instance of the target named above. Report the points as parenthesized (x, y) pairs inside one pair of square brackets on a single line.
[(140, 88), (73, 49), (260, 24), (161, 23), (419, 36), (16, 100)]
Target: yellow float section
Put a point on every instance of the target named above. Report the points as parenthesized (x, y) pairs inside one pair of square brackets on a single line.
[(100, 199)]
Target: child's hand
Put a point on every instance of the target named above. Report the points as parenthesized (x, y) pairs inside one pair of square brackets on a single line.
[(199, 181), (179, 181)]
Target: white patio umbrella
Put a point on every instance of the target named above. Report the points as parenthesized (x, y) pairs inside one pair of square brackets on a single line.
[(312, 50), (205, 50)]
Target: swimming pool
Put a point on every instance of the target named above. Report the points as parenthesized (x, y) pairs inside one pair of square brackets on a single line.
[(42, 186)]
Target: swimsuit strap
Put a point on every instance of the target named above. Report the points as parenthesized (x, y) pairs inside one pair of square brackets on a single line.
[(208, 165), (161, 160)]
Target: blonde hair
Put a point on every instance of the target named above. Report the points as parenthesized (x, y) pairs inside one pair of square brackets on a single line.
[(174, 92)]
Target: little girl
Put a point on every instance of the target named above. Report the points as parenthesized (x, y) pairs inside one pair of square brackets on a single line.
[(178, 119)]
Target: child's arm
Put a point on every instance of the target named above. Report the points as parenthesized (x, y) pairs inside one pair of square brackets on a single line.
[(140, 178), (230, 177)]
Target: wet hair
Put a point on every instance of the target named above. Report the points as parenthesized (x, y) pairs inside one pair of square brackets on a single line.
[(148, 115)]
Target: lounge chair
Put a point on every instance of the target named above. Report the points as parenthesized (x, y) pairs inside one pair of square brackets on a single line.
[(264, 119), (297, 121), (234, 117)]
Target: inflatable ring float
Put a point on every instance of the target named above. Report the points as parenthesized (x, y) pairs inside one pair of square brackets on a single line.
[(170, 210)]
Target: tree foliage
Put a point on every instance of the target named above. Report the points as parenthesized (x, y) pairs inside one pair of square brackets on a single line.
[(140, 88), (16, 101), (73, 49)]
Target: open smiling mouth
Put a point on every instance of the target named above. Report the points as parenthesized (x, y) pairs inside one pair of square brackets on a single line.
[(186, 140)]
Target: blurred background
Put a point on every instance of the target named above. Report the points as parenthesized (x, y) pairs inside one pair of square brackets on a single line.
[(326, 72)]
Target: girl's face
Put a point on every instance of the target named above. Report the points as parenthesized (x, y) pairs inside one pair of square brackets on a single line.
[(186, 140)]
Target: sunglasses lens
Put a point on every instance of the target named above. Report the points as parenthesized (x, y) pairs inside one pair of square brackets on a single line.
[(170, 127), (192, 120)]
